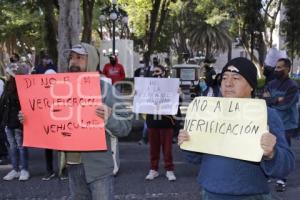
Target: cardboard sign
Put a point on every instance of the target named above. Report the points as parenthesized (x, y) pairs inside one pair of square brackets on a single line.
[(230, 127), (158, 96), (59, 111)]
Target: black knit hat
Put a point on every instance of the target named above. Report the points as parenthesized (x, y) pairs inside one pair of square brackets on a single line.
[(244, 67)]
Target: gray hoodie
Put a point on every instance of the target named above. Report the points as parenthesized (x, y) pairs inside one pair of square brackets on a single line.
[(98, 164)]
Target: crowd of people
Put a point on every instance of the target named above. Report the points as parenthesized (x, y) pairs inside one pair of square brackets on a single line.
[(90, 173)]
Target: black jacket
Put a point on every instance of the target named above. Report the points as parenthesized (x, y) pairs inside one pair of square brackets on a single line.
[(10, 106), (164, 121), (160, 121)]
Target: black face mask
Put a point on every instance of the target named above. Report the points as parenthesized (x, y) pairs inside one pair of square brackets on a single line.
[(207, 68), (279, 74), (74, 69), (155, 63), (13, 60), (113, 62), (157, 76)]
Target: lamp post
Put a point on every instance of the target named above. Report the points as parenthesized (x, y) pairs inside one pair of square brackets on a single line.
[(113, 14)]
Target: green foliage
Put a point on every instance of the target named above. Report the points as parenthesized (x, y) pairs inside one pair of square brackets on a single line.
[(291, 26), (213, 10), (138, 11), (251, 16), (202, 22), (20, 23), (261, 83)]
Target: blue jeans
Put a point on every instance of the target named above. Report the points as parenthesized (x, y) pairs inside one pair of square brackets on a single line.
[(101, 189), (211, 196), (18, 153)]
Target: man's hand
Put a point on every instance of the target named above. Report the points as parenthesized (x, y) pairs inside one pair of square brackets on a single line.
[(21, 117), (103, 112), (268, 142), (183, 136)]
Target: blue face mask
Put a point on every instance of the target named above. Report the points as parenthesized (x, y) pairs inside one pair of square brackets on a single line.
[(202, 85)]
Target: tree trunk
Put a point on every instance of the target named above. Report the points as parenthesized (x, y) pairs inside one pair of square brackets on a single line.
[(152, 29), (261, 49), (157, 18), (50, 25), (88, 6), (68, 30)]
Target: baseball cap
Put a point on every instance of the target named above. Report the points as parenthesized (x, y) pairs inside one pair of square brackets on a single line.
[(79, 49)]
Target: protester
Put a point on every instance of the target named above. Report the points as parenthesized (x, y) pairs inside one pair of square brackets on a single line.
[(13, 127), (155, 62), (160, 134), (143, 70), (114, 70), (210, 74), (91, 173), (3, 140), (282, 95), (207, 85), (270, 63), (210, 89), (226, 178), (14, 58), (45, 65)]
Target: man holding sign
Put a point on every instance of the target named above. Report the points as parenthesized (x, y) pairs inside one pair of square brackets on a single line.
[(90, 172), (230, 178)]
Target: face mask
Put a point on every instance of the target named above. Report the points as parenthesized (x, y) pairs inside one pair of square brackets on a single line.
[(202, 85), (157, 76), (207, 67), (13, 60), (279, 74), (113, 62)]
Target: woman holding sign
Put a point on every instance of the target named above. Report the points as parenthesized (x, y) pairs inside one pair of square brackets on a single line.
[(13, 127), (160, 135), (227, 178)]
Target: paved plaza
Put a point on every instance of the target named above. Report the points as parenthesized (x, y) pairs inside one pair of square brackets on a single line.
[(130, 182)]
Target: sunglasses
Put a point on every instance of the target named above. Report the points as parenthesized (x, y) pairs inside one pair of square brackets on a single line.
[(157, 71)]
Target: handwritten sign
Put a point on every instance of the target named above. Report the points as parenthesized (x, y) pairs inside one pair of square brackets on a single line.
[(273, 55), (230, 127), (59, 111), (156, 95)]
